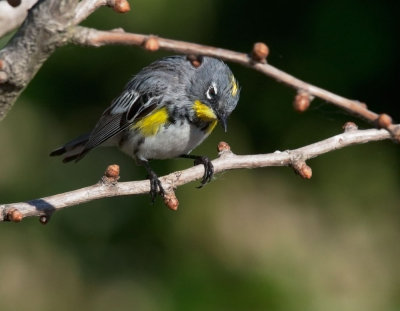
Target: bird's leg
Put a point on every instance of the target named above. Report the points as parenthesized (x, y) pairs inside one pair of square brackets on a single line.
[(208, 167), (155, 183)]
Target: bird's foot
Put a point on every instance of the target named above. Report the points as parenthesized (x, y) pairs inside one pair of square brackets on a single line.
[(155, 186)]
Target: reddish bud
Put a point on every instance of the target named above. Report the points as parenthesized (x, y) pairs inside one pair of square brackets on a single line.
[(260, 52), (223, 147), (112, 171), (302, 101), (195, 60), (111, 175), (121, 6), (1, 64), (302, 169), (384, 120), (14, 215), (350, 126), (171, 201), (151, 44)]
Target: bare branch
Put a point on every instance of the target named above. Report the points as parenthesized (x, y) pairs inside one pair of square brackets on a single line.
[(108, 186), (47, 27), (255, 60), (43, 31)]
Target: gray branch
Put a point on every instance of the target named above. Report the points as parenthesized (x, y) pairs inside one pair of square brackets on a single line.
[(44, 207), (43, 31)]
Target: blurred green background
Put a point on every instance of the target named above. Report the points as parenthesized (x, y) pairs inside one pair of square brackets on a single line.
[(251, 240)]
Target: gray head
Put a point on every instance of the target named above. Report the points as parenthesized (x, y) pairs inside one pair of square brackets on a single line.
[(213, 84)]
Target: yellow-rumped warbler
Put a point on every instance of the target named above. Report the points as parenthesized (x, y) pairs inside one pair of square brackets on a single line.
[(165, 111)]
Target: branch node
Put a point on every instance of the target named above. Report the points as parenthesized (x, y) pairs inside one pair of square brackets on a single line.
[(260, 52), (195, 60), (302, 101), (384, 121), (14, 215), (151, 44), (350, 127), (171, 201), (302, 169), (111, 175), (120, 6), (224, 149)]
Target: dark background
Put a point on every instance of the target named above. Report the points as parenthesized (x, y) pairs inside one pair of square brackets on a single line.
[(259, 239)]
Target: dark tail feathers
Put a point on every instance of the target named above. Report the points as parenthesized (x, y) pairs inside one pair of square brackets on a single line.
[(73, 150)]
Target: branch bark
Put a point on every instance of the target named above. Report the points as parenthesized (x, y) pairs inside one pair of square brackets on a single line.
[(42, 32), (44, 207)]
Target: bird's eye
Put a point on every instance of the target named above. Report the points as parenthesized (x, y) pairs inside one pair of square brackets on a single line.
[(212, 91)]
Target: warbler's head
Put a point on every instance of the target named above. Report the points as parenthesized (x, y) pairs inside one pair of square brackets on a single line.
[(214, 85)]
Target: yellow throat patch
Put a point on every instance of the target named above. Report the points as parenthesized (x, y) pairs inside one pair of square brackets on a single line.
[(206, 114), (150, 124)]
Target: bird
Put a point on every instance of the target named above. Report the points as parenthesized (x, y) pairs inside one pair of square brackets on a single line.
[(165, 111)]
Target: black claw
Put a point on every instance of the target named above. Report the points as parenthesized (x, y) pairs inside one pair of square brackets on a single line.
[(208, 170), (208, 167), (155, 184), (155, 187)]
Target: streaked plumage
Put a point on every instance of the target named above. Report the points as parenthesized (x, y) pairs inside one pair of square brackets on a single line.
[(165, 111)]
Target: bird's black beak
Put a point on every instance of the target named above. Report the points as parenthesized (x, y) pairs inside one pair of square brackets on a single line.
[(224, 123)]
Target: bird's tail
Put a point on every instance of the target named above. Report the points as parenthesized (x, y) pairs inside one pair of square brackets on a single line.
[(73, 150)]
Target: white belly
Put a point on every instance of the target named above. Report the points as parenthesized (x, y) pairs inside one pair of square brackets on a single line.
[(170, 142)]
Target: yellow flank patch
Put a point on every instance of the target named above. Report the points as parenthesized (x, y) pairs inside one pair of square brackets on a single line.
[(203, 112), (234, 86), (150, 124)]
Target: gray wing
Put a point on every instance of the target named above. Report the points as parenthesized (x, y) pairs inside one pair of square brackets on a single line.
[(124, 111)]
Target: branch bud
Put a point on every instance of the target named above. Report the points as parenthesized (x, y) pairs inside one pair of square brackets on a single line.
[(302, 169), (195, 60), (384, 120), (14, 215), (171, 201), (111, 175), (120, 6), (151, 44), (260, 52), (302, 101), (223, 147)]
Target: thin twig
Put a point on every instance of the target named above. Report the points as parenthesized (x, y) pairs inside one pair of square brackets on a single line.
[(94, 37), (226, 161)]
